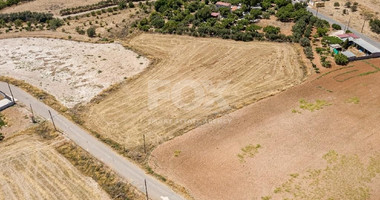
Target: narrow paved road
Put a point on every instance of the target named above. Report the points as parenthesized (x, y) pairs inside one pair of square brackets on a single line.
[(332, 21), (128, 170)]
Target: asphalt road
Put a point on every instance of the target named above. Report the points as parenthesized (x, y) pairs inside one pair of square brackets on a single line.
[(132, 173), (332, 21)]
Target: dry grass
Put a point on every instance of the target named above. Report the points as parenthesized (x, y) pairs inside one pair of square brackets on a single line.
[(51, 6), (33, 169), (253, 70), (357, 18)]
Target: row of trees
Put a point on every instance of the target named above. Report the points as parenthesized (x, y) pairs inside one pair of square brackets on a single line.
[(30, 17), (26, 16), (122, 4)]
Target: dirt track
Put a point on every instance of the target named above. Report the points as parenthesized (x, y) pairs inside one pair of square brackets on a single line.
[(206, 161), (247, 71)]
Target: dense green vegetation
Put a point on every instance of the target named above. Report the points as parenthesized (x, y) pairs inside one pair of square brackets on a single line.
[(7, 3), (375, 25), (26, 16), (18, 19), (193, 17), (341, 59)]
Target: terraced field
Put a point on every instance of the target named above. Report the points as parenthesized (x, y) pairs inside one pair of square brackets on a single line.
[(194, 81), (31, 169)]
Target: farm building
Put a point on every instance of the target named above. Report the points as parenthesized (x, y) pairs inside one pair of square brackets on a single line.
[(365, 47), (5, 101), (349, 54), (361, 48), (317, 3)]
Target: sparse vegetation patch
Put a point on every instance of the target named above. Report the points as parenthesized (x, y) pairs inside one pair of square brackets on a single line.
[(318, 105)]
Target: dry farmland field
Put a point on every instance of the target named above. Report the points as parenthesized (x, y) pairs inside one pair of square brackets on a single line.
[(225, 75), (32, 169), (50, 6), (318, 140), (73, 72)]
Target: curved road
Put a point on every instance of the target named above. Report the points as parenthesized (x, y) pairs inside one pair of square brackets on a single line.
[(132, 173)]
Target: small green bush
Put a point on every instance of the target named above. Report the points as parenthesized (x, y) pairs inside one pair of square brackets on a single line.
[(91, 32), (341, 59)]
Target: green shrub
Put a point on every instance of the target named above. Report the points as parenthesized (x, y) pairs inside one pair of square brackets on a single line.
[(336, 27), (55, 23), (332, 40), (305, 42), (341, 59), (309, 52), (375, 25), (91, 32)]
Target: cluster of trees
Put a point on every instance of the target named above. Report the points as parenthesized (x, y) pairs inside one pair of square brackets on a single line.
[(375, 25), (30, 17), (6, 3), (302, 31), (194, 18), (26, 17), (341, 59), (122, 4)]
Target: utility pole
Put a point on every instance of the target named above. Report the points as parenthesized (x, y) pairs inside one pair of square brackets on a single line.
[(144, 143), (13, 98), (362, 27), (317, 10), (146, 190), (348, 25), (33, 118), (51, 116)]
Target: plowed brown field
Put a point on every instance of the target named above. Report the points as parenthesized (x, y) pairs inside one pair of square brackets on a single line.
[(279, 148)]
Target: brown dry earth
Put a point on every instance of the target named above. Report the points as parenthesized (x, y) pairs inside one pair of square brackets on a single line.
[(241, 73), (51, 6), (205, 160), (286, 27), (357, 18), (16, 118)]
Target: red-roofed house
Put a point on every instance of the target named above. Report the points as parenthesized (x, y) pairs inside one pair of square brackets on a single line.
[(215, 14), (220, 4), (348, 35), (233, 8)]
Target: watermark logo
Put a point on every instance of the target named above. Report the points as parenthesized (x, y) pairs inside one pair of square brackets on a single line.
[(206, 94)]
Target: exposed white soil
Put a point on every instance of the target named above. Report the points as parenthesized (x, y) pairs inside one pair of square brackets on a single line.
[(74, 72)]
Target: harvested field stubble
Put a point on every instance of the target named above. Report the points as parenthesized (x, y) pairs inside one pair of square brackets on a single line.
[(33, 169), (234, 74)]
